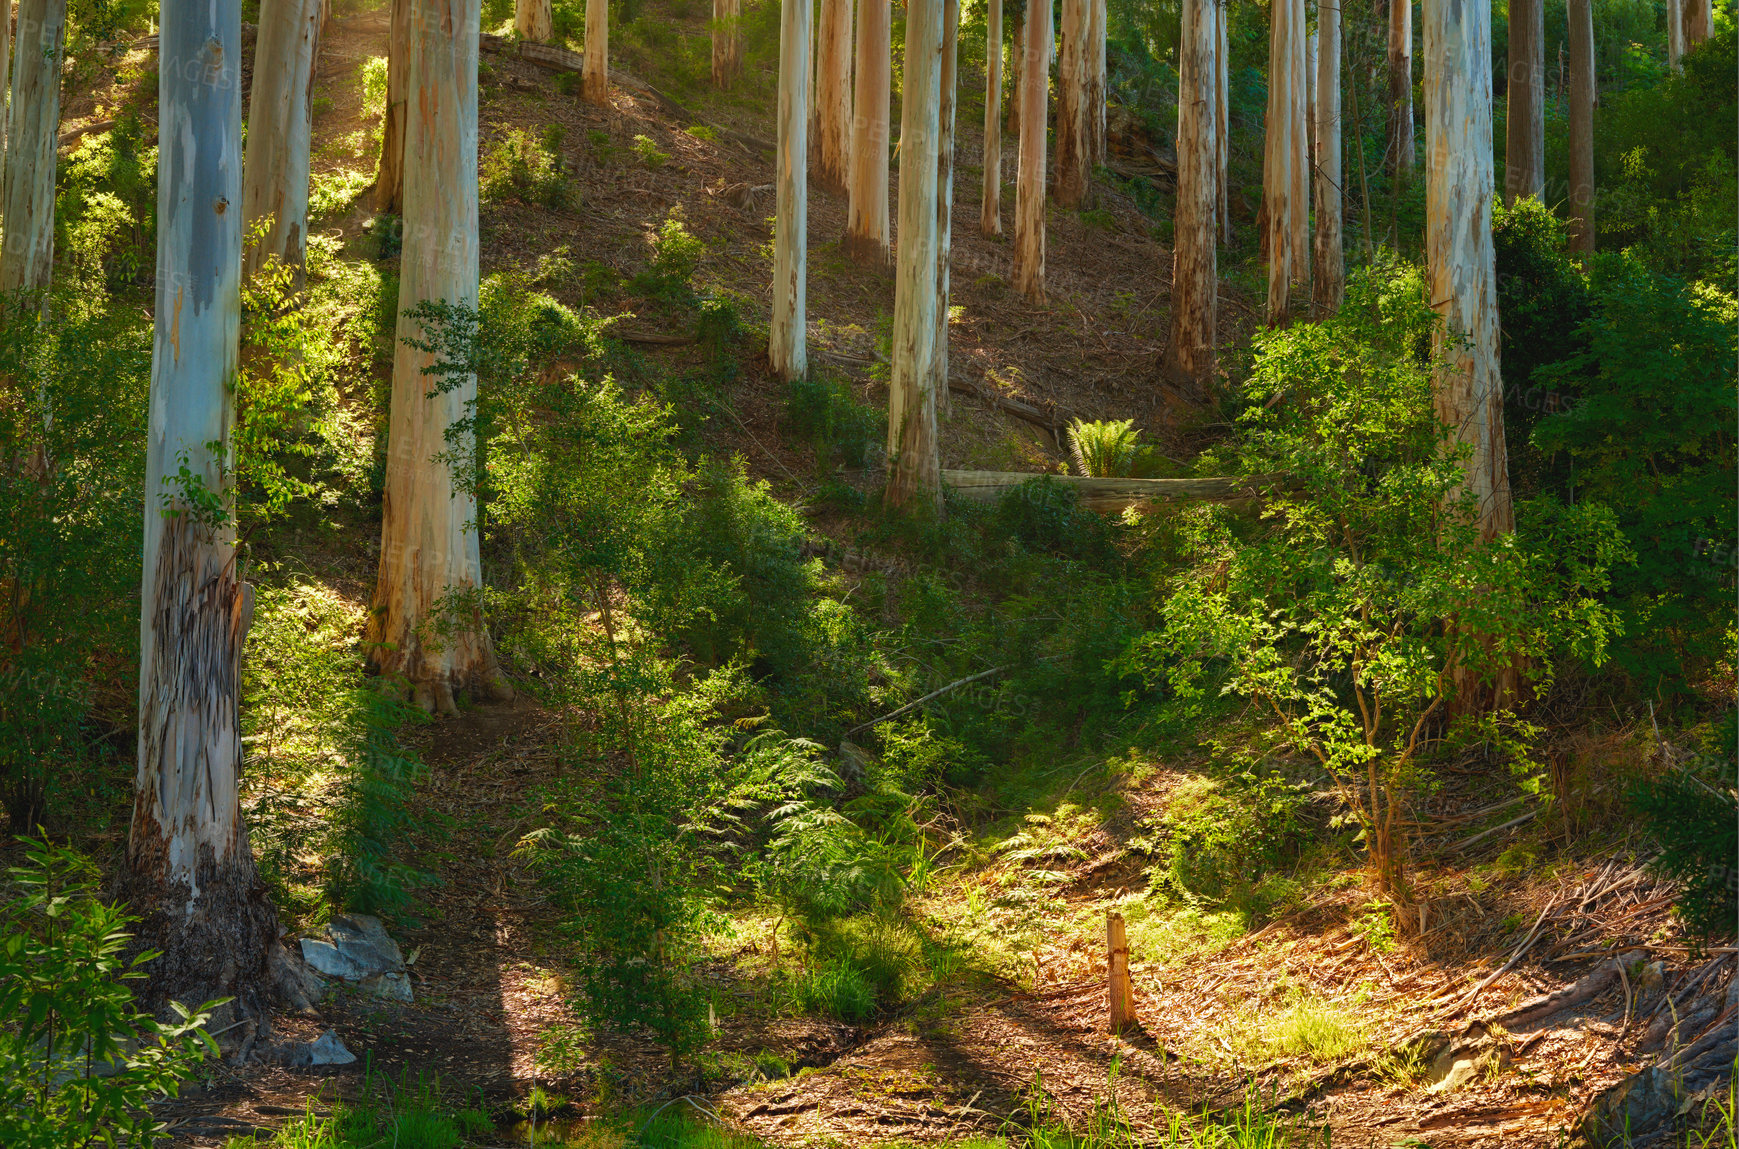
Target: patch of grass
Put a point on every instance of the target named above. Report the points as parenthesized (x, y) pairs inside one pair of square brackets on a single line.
[(647, 152)]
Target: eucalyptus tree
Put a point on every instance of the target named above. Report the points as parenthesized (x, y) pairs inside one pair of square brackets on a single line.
[(534, 20), (1327, 262), (595, 73), (1285, 162), (832, 112), (1699, 21), (1222, 70), (389, 178), (27, 249), (280, 129), (1525, 121), (787, 345), (866, 227), (1195, 267), (947, 85), (1074, 161), (1029, 191), (727, 42), (1096, 80), (1581, 35), (990, 198), (1675, 33), (1401, 155)]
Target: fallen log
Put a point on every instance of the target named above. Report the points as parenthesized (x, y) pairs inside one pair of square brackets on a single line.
[(1104, 494), (1589, 987)]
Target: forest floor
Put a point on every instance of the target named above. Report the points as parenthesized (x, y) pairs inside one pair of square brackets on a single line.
[(1310, 1014)]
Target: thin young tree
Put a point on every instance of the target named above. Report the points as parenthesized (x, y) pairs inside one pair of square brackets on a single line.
[(1459, 258), (426, 631), (1223, 120), (189, 872), (1096, 81), (1074, 161), (27, 249), (534, 20), (787, 346), (990, 200), (832, 112), (1327, 264), (1675, 33), (1581, 36), (1525, 123), (1015, 14), (389, 178), (914, 460), (280, 128), (595, 78), (1285, 168), (1699, 21), (727, 42), (1195, 266), (5, 85), (1029, 191), (947, 89), (1401, 156), (866, 226)]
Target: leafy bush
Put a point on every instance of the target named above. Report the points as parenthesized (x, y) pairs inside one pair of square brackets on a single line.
[(1223, 842), (527, 169), (648, 152), (676, 255), (1047, 517), (1694, 814), (828, 413)]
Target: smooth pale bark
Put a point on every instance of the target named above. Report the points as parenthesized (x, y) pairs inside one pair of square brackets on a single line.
[(1285, 169), (534, 20), (866, 221), (787, 347), (1401, 157), (189, 872), (389, 178), (595, 79), (1460, 264), (1310, 99), (945, 195), (727, 41), (1195, 267), (1699, 21), (1223, 120), (1073, 161), (1525, 124), (1016, 58), (1675, 33), (1096, 149), (832, 111), (1029, 191), (1327, 264), (1581, 35), (990, 200), (280, 127), (914, 461), (27, 250), (5, 86), (428, 545)]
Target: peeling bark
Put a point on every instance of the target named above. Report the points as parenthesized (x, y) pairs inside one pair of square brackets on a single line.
[(1401, 157), (787, 330), (1285, 168), (866, 228), (1195, 268), (1581, 34), (945, 195), (1073, 162), (990, 199), (832, 111), (727, 42), (389, 180), (1525, 124), (1328, 265), (280, 127), (1699, 21), (1029, 199), (27, 250), (595, 77), (534, 20)]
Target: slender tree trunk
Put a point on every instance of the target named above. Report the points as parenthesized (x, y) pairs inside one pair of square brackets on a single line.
[(1675, 32), (1310, 158), (533, 20), (727, 41), (1525, 125), (866, 228), (1073, 161), (1699, 22), (1223, 119), (1400, 157), (914, 462), (1284, 169), (1328, 263), (1195, 266), (1096, 81), (595, 80), (1016, 58), (389, 179), (1581, 15), (190, 874), (1029, 197), (1458, 247), (1298, 199), (5, 87), (27, 250), (280, 126), (787, 345), (832, 110), (949, 86), (990, 200), (428, 551)]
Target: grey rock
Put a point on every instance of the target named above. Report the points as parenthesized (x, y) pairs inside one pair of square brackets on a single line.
[(328, 1050), (295, 979), (358, 950), (392, 985)]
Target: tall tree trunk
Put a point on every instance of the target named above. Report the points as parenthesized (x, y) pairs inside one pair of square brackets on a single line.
[(1073, 161), (1525, 125), (1400, 157), (866, 228), (5, 86), (1328, 285), (428, 550), (280, 125), (787, 346), (727, 41), (832, 142), (389, 179), (949, 85), (1581, 35), (595, 79), (27, 250), (1285, 175), (1675, 33), (534, 20), (1096, 81), (1699, 21), (189, 872), (1223, 119), (1016, 58), (1029, 193), (1195, 266), (914, 460), (1459, 259), (990, 200)]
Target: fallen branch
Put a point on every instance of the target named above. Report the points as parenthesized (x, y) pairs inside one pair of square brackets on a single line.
[(1103, 494), (933, 694), (1507, 966), (1483, 834)]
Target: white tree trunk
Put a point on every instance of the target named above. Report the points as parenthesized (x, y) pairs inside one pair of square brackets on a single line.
[(866, 228), (595, 79), (1073, 160), (1581, 36), (1525, 124), (914, 462), (5, 88), (787, 346), (280, 126), (1460, 263), (990, 200), (1401, 155), (948, 91), (1016, 58), (428, 549), (389, 180), (1195, 264), (27, 250), (1675, 33), (1223, 120), (1699, 21), (1285, 175), (534, 20), (1029, 197), (1096, 80), (832, 111), (190, 874), (1328, 285), (727, 41)]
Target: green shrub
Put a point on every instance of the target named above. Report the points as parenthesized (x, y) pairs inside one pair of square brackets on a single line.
[(833, 988), (647, 152), (1227, 842), (1108, 450), (1694, 815), (527, 169), (1047, 517), (827, 412), (676, 256)]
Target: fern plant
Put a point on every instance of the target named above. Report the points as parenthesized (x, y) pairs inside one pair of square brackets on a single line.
[(1106, 449)]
